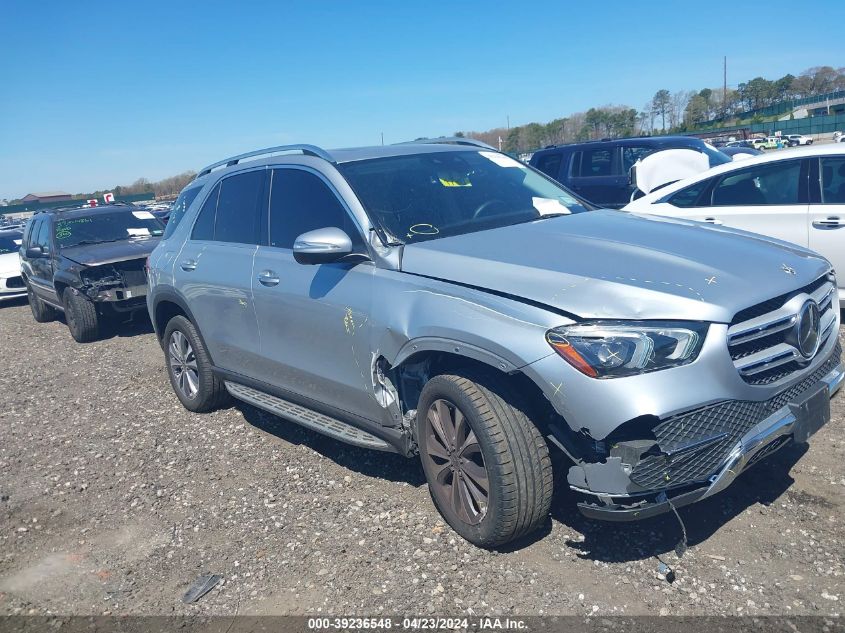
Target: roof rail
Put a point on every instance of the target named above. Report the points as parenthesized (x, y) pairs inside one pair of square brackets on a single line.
[(451, 140), (310, 150)]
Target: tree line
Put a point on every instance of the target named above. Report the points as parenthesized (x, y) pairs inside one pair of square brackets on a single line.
[(666, 112)]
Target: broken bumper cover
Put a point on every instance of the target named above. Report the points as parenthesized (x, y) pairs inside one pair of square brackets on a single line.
[(798, 417)]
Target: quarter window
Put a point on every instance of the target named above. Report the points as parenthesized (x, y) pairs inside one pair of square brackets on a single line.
[(239, 208), (301, 202), (770, 183), (204, 226), (550, 164), (592, 162), (833, 180)]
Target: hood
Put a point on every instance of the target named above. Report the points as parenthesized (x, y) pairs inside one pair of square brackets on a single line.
[(617, 265), (10, 263), (110, 252)]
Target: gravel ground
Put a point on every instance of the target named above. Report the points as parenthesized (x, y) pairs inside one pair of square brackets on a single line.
[(113, 499)]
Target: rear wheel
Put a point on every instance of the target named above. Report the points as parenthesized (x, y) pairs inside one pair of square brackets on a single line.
[(41, 312), (487, 464), (81, 317), (189, 368)]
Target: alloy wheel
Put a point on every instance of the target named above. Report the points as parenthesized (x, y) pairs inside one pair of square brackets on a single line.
[(453, 459), (183, 364)]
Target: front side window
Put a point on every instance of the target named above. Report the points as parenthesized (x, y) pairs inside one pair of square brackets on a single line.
[(240, 208), (42, 238), (180, 205), (769, 183), (631, 155), (111, 226), (300, 202), (432, 195), (833, 180), (689, 196)]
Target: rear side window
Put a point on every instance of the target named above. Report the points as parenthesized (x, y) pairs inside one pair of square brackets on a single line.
[(550, 164), (299, 202), (177, 211), (240, 208), (204, 226), (833, 180), (592, 162), (769, 183)]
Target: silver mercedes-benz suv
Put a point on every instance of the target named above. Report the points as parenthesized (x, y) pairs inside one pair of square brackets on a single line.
[(441, 299)]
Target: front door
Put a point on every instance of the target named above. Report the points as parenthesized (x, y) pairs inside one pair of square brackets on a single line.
[(827, 216), (314, 321)]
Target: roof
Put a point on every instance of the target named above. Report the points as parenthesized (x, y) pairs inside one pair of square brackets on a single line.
[(350, 154), (48, 194), (80, 212), (652, 141)]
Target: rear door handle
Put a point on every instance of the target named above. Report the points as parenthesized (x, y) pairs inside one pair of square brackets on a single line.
[(713, 221), (188, 265), (830, 223), (268, 278)]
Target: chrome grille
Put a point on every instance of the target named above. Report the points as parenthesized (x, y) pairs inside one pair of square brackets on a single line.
[(760, 337), (726, 422)]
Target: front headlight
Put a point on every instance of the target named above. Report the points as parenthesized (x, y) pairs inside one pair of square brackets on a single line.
[(614, 349)]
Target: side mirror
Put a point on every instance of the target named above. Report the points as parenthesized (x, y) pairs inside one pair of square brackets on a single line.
[(322, 246), (34, 252)]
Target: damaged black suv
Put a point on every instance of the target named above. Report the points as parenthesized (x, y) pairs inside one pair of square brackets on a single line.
[(88, 263)]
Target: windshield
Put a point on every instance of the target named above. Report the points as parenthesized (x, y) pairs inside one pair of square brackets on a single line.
[(429, 196), (177, 210), (107, 227), (10, 243)]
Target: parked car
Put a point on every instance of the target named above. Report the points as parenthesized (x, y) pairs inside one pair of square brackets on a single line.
[(798, 139), (740, 150), (796, 196), (758, 143), (11, 282), (87, 263), (599, 171), (447, 301)]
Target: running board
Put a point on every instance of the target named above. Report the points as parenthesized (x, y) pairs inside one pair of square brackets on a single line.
[(307, 417)]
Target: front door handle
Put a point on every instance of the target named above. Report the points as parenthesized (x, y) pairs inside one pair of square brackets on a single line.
[(268, 278), (188, 265), (713, 221), (830, 223)]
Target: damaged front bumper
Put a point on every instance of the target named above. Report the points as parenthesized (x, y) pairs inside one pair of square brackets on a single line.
[(798, 413)]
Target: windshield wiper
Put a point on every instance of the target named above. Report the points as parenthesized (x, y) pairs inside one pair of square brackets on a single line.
[(83, 242)]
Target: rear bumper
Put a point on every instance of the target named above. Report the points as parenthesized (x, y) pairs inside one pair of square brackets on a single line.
[(792, 422)]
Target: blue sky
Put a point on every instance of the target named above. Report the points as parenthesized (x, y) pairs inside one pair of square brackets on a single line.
[(94, 94)]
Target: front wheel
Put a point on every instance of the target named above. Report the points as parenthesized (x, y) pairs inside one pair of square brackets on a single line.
[(81, 316), (487, 465)]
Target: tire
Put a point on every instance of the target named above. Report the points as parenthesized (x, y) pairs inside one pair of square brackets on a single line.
[(189, 368), (81, 316), (41, 312), (495, 441)]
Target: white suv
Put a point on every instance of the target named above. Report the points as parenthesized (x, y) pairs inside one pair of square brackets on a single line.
[(798, 139)]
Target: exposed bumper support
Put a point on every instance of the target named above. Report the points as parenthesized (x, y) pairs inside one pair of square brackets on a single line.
[(796, 421)]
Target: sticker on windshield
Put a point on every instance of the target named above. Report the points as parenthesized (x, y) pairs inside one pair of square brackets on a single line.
[(548, 206), (423, 229), (455, 181), (502, 160), (143, 215), (135, 232)]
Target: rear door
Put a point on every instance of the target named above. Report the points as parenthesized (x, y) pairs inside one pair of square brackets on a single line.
[(827, 213), (596, 174), (768, 198), (213, 271)]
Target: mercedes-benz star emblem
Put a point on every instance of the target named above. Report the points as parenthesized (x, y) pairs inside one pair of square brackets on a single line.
[(807, 329), (787, 269)]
